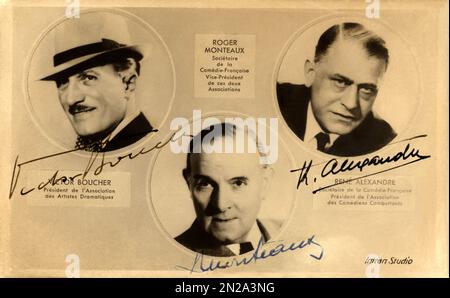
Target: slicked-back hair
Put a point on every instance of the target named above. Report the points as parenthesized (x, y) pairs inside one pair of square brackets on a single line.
[(372, 43)]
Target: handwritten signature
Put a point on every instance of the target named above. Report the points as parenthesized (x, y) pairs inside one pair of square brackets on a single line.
[(334, 167), (199, 265), (331, 167), (90, 167)]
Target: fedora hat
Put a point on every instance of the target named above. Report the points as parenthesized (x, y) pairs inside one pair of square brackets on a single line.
[(93, 39)]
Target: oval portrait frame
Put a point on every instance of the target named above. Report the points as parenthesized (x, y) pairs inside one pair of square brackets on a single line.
[(335, 19), (169, 70), (150, 196)]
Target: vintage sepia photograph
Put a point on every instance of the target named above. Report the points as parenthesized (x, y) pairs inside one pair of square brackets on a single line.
[(229, 202), (106, 72), (337, 94), (215, 140)]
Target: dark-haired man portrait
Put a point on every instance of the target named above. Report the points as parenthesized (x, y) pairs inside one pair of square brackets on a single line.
[(332, 111), (96, 70)]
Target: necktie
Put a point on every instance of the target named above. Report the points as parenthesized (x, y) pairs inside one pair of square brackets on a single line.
[(322, 139), (87, 144), (245, 247), (95, 143)]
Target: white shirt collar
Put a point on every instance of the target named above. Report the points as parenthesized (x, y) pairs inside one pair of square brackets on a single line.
[(253, 236), (313, 128)]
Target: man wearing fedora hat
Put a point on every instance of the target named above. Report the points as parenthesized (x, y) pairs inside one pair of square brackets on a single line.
[(96, 69)]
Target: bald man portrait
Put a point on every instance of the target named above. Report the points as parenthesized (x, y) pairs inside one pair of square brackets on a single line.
[(227, 191), (332, 112)]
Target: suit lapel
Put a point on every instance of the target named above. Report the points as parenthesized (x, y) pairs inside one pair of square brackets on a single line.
[(131, 133), (357, 142)]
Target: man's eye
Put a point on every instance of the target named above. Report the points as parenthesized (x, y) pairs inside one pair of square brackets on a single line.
[(339, 83), (367, 92), (239, 183), (202, 184), (87, 78)]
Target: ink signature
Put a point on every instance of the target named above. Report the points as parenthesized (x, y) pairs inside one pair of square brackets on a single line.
[(334, 166), (199, 265), (91, 166)]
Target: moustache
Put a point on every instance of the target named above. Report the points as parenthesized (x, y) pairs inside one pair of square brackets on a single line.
[(79, 108)]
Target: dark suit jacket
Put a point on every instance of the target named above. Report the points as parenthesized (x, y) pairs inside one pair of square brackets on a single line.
[(196, 239), (372, 134), (133, 132)]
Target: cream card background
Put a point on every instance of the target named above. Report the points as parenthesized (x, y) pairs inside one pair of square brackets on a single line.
[(126, 241)]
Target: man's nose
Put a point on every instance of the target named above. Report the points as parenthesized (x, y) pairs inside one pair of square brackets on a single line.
[(72, 93), (350, 97), (222, 199)]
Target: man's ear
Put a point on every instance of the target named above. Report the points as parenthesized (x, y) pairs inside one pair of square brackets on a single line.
[(130, 83), (309, 71), (129, 76)]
